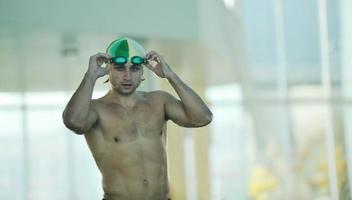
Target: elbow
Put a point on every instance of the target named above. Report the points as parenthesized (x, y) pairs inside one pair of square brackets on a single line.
[(208, 118), (72, 124), (69, 123)]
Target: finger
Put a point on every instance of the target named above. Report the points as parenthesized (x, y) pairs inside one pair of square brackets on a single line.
[(101, 60), (153, 63), (149, 55), (152, 57), (148, 66), (157, 58), (102, 56)]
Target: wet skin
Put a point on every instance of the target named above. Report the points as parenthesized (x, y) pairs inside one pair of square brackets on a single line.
[(128, 145)]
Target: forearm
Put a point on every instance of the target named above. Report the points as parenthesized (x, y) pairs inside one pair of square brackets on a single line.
[(78, 107), (193, 105)]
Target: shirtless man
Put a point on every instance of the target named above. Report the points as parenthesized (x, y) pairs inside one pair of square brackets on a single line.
[(125, 129)]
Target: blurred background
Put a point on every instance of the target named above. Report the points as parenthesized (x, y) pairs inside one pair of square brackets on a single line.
[(276, 74)]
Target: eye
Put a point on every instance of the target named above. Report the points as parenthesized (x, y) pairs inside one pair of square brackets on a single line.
[(135, 68), (119, 68)]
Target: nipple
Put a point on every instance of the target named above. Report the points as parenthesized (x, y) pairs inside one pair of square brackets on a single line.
[(145, 182)]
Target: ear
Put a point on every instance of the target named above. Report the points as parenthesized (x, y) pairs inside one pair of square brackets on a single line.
[(143, 78), (108, 66)]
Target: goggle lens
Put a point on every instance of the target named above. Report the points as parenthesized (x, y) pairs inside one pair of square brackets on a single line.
[(136, 60), (119, 60)]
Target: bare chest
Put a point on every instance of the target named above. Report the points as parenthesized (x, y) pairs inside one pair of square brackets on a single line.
[(124, 125)]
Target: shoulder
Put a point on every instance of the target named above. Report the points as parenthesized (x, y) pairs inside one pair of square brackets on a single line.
[(159, 95), (96, 103)]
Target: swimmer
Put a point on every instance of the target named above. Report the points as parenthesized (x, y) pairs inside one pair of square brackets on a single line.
[(126, 129)]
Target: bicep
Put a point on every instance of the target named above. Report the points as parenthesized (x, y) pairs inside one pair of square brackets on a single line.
[(82, 126), (174, 111), (91, 119)]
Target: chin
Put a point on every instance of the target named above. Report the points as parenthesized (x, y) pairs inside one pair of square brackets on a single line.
[(126, 93)]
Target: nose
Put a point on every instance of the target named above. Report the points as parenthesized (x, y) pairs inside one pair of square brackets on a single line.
[(127, 75)]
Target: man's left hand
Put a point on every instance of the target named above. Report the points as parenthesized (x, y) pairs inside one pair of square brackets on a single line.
[(157, 64)]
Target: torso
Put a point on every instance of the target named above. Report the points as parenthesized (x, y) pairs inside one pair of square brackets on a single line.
[(128, 145)]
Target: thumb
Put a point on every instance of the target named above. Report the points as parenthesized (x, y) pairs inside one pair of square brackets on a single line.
[(148, 66)]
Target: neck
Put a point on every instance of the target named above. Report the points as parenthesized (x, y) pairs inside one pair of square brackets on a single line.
[(124, 100)]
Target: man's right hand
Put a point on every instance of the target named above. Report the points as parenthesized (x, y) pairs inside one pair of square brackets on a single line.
[(95, 65)]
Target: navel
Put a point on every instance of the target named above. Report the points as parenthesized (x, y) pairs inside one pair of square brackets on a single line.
[(116, 139)]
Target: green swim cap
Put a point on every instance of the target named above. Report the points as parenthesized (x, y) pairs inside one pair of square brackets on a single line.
[(125, 47)]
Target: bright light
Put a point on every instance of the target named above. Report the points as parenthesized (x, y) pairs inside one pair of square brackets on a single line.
[(230, 4), (39, 98), (227, 92)]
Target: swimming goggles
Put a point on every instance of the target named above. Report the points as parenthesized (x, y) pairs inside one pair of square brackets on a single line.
[(121, 60)]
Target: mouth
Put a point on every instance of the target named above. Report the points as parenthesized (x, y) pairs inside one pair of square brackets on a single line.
[(126, 85)]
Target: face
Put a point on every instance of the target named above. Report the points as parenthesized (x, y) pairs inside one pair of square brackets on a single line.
[(126, 78)]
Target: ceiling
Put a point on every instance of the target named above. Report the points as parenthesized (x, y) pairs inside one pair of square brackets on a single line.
[(161, 18), (45, 45)]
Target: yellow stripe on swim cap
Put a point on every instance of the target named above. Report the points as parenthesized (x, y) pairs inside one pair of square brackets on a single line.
[(125, 47)]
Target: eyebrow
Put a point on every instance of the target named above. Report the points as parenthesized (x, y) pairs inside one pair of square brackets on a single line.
[(124, 66)]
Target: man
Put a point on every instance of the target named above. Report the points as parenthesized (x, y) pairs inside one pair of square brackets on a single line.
[(125, 129)]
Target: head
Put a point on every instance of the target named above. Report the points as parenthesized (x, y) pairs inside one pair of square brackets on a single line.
[(125, 66)]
